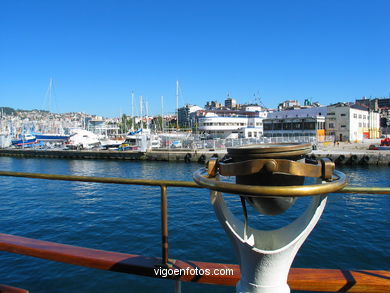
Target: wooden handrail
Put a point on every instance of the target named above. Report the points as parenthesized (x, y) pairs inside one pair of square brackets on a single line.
[(299, 279), (10, 289)]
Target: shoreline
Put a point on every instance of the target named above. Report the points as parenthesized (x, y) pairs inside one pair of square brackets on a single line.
[(344, 153)]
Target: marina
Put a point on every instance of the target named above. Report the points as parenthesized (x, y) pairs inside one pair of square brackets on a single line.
[(195, 146)]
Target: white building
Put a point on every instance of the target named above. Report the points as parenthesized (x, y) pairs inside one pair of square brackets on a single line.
[(352, 122), (304, 122), (289, 104), (232, 124), (252, 108), (103, 127)]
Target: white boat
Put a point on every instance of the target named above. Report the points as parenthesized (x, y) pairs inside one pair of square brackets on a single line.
[(139, 140), (82, 139), (111, 143)]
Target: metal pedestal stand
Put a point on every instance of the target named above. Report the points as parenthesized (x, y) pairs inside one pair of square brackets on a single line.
[(265, 257)]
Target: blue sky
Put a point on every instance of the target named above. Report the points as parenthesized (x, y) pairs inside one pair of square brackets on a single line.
[(98, 52)]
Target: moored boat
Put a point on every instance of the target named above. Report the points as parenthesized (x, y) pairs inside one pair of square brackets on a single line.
[(51, 137), (82, 139), (24, 140)]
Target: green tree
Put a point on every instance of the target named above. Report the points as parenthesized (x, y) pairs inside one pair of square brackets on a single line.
[(125, 123)]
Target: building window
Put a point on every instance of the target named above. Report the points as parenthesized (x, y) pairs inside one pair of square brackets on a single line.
[(343, 126), (354, 115), (267, 126), (360, 124), (331, 114), (277, 126), (360, 116), (297, 125), (310, 125), (331, 125), (343, 114)]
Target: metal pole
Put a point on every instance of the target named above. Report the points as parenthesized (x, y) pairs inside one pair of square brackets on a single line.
[(164, 224), (177, 286)]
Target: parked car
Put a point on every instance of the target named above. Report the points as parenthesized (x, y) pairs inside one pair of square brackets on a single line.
[(176, 144)]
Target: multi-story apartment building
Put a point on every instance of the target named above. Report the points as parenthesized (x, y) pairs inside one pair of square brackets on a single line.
[(230, 103), (288, 105), (382, 105), (211, 105), (186, 115), (352, 122)]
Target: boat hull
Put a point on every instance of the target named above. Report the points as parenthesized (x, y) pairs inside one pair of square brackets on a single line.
[(51, 137), (21, 142)]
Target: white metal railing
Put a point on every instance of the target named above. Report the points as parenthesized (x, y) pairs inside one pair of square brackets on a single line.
[(218, 144)]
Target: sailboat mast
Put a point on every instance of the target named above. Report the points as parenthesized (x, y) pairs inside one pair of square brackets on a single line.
[(162, 113), (147, 114), (177, 104), (48, 97), (132, 111), (140, 110), (50, 92)]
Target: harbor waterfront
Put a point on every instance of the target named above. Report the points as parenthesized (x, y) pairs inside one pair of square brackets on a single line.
[(341, 155), (352, 234)]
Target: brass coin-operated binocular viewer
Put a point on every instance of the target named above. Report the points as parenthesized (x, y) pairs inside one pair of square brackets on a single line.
[(270, 177)]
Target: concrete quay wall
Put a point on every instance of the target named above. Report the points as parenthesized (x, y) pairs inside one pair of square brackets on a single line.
[(378, 158), (161, 155), (68, 154), (340, 157), (188, 156)]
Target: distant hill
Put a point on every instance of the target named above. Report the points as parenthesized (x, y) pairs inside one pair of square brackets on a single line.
[(33, 110), (12, 111), (7, 111)]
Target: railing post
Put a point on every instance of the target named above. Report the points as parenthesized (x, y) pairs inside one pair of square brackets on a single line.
[(177, 286), (164, 224)]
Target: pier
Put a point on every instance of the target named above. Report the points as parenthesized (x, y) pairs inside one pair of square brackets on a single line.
[(341, 156), (342, 153), (68, 154)]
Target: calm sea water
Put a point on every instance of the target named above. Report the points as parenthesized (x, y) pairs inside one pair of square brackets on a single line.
[(353, 232)]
